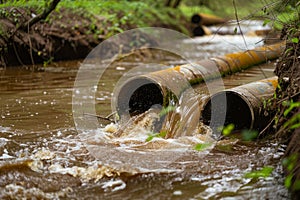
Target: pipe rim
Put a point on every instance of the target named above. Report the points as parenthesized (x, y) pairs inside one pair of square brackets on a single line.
[(229, 94), (196, 19), (138, 95)]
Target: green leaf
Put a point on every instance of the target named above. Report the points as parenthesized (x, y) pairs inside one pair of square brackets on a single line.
[(279, 87), (292, 106), (295, 126), (149, 138), (295, 40), (293, 123), (162, 134), (202, 146), (290, 162), (264, 173), (288, 181), (266, 22), (289, 49), (166, 110), (228, 129)]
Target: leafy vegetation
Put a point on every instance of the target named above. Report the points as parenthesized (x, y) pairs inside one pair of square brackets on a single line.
[(262, 173), (166, 110), (246, 9), (287, 15), (287, 121), (294, 121), (290, 163), (151, 136), (116, 15), (228, 129), (249, 135), (202, 146)]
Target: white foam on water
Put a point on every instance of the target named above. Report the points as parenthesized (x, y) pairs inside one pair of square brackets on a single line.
[(135, 148), (14, 191)]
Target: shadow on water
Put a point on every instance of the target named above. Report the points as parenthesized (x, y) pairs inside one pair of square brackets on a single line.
[(41, 155)]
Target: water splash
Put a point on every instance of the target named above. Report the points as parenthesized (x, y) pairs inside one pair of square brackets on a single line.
[(135, 147)]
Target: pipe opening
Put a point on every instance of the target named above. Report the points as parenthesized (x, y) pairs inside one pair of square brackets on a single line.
[(139, 95), (144, 98), (196, 19), (236, 111), (198, 31)]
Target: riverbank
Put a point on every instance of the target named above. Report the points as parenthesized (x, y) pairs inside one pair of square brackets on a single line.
[(73, 29), (287, 102)]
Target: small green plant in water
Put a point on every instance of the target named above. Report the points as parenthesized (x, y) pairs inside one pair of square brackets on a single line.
[(249, 135), (166, 110), (226, 130), (161, 134), (295, 40), (47, 62), (263, 173), (202, 146)]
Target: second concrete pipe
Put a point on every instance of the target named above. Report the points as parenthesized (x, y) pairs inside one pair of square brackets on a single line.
[(244, 106)]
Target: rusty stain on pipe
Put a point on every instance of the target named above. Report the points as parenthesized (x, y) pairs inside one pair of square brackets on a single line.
[(139, 93), (243, 107), (231, 63)]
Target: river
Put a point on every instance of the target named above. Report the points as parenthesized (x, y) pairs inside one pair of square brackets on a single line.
[(42, 156)]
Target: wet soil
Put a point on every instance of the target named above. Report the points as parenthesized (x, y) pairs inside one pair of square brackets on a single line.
[(64, 35)]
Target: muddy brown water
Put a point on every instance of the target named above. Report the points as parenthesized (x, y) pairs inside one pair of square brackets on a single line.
[(42, 157)]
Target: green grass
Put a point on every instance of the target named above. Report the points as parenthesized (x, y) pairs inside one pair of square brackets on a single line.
[(225, 8), (189, 11), (288, 15), (273, 12), (117, 15)]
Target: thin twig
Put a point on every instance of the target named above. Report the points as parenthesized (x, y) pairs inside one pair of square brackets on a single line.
[(100, 117), (30, 50), (286, 98), (238, 22), (17, 55), (266, 128)]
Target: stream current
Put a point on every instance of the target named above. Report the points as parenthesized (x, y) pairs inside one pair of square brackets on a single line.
[(42, 156)]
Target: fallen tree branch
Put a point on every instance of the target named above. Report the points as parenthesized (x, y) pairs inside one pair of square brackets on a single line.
[(41, 16), (34, 20)]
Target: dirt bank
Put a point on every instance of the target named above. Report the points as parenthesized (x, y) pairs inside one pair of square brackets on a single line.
[(287, 121), (64, 35)]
